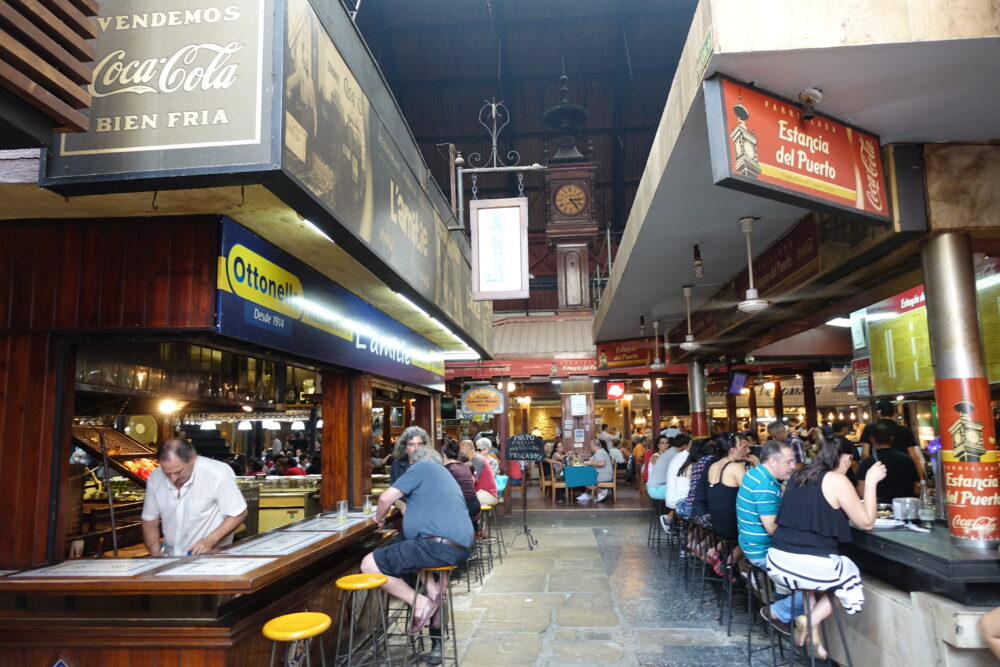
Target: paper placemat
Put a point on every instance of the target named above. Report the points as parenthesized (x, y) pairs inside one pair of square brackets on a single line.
[(323, 524), (216, 566), (101, 567), (275, 544)]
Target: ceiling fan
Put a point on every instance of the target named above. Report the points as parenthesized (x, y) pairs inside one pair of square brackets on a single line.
[(657, 361), (689, 344), (753, 303)]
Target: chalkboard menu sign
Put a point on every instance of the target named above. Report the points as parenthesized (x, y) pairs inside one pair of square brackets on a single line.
[(525, 447)]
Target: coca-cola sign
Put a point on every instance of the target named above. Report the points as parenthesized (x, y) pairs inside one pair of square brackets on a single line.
[(177, 85)]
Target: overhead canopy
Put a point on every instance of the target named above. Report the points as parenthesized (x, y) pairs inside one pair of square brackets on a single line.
[(896, 75)]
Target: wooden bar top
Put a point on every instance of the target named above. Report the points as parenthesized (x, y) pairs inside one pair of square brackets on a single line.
[(150, 583)]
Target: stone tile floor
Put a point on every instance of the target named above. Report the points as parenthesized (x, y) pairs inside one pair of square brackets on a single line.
[(591, 593)]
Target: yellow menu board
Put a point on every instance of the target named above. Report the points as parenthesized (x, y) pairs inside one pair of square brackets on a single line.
[(988, 297), (901, 353)]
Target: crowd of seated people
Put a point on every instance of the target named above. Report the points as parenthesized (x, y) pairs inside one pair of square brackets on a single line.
[(783, 512)]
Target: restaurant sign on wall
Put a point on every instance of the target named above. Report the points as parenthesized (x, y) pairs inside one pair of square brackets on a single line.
[(268, 297), (761, 144)]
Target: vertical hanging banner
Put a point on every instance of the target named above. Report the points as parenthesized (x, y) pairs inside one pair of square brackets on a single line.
[(969, 458), (761, 144), (499, 248)]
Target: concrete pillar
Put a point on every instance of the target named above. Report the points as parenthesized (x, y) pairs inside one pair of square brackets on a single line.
[(809, 398), (779, 402), (697, 399), (961, 390)]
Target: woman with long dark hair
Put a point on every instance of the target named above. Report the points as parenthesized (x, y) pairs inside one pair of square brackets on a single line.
[(813, 519), (458, 465)]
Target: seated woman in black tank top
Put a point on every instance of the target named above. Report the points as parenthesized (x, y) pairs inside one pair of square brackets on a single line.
[(723, 478), (812, 521)]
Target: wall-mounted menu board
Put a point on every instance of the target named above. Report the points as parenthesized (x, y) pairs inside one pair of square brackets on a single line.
[(899, 340)]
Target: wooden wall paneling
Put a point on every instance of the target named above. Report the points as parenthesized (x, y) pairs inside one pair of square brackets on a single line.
[(206, 252), (70, 271), (7, 281), (22, 286), (33, 37), (32, 93), (138, 259), (361, 471), (158, 285), (114, 282), (45, 280), (182, 276), (27, 385), (88, 289), (41, 72), (336, 439), (73, 17), (74, 43)]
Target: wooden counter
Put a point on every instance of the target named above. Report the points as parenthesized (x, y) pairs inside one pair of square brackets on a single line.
[(150, 618)]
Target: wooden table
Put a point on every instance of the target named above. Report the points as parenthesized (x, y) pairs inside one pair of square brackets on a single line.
[(152, 618)]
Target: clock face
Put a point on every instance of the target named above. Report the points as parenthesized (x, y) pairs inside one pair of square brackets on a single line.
[(570, 199)]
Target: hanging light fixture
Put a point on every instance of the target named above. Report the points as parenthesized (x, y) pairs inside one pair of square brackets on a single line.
[(753, 303), (209, 426), (244, 426), (319, 424), (298, 426), (699, 267), (689, 344), (657, 361)]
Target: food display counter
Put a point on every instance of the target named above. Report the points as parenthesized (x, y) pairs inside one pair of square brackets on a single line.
[(204, 610)]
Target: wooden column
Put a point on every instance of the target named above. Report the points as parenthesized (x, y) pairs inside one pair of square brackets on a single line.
[(338, 414), (752, 406), (361, 438), (425, 416), (809, 398), (347, 438), (731, 424), (779, 402), (525, 417)]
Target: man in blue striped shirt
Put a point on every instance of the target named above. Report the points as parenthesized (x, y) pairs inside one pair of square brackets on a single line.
[(757, 504)]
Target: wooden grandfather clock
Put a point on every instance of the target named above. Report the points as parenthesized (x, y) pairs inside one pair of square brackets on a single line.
[(571, 226)]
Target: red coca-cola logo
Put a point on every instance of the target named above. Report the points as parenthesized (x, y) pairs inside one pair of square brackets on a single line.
[(868, 158), (980, 524)]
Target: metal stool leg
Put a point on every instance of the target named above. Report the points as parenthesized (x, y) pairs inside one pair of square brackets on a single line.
[(843, 638)]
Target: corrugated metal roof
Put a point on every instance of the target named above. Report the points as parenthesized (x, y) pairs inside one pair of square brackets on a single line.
[(548, 337)]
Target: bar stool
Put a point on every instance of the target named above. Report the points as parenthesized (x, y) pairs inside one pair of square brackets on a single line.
[(655, 532), (296, 630), (807, 605), (445, 614), (352, 584), (762, 589), (486, 530)]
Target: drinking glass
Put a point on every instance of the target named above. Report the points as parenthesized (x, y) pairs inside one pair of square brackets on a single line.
[(366, 509), (342, 508), (926, 515)]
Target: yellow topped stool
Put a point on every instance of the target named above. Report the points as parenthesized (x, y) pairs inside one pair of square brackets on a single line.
[(373, 650), (296, 630), (443, 618)]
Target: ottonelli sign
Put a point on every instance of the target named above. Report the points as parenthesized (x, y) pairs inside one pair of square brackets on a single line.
[(761, 144)]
